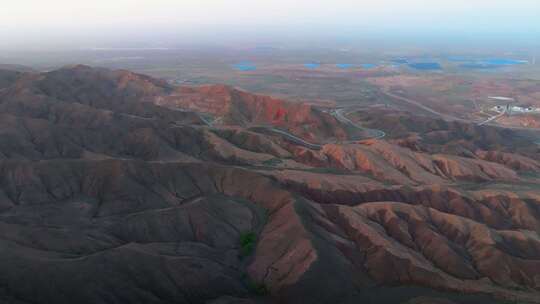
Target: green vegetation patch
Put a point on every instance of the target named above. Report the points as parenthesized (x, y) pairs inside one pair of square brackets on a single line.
[(259, 289), (248, 241), (272, 162), (256, 288)]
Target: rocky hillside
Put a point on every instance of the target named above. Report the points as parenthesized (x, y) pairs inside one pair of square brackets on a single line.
[(234, 107), (119, 188)]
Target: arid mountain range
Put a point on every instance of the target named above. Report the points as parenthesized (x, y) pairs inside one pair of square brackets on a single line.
[(119, 188)]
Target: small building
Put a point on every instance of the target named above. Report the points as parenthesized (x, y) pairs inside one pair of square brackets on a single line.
[(523, 110)]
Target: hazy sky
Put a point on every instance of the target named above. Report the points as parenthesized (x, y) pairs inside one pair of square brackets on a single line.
[(35, 22)]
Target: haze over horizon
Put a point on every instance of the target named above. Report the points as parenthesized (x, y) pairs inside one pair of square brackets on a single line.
[(32, 24)]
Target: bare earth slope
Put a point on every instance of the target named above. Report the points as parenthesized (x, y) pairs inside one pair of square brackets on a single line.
[(115, 188)]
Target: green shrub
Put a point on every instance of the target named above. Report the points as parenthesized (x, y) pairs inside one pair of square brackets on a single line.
[(259, 289), (248, 241), (272, 162)]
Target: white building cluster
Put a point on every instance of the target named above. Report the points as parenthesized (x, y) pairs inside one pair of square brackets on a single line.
[(515, 109)]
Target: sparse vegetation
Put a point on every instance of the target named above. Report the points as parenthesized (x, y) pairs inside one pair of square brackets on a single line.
[(248, 241), (272, 162), (259, 289)]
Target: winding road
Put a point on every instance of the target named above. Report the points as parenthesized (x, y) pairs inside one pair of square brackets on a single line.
[(450, 117), (492, 118), (421, 106), (295, 139), (339, 114)]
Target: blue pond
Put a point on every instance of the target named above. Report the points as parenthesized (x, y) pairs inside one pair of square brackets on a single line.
[(503, 61), (344, 65), (459, 59), (312, 65), (245, 66), (480, 66), (368, 65), (400, 61), (426, 66), (493, 63)]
